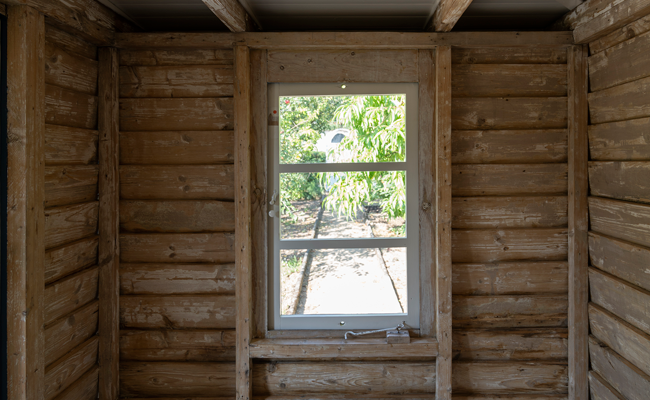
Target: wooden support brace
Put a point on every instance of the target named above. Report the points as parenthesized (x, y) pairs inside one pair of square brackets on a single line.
[(578, 224), (108, 252), (243, 242), (443, 221), (25, 196)]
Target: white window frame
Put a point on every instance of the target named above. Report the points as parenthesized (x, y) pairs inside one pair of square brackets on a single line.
[(411, 241)]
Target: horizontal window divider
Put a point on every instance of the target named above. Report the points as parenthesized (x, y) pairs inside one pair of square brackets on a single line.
[(344, 243), (342, 167)]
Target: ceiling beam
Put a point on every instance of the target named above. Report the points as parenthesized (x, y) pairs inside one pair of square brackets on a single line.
[(232, 14), (447, 14)]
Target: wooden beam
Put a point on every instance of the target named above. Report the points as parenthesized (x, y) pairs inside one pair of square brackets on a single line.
[(243, 242), (87, 18), (340, 40), (25, 196), (578, 223), (231, 13), (447, 14), (109, 293), (443, 221)]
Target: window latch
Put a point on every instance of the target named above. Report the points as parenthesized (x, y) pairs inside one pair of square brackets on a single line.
[(274, 198), (393, 335)]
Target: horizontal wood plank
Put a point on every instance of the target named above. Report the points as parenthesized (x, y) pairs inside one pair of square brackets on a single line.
[(185, 114), (66, 145), (177, 312), (509, 212), (623, 180), (620, 35), (176, 380), (69, 294), (177, 248), (625, 62), (508, 179), (166, 279), (521, 311), (343, 378), (604, 17), (84, 388), (177, 57), (509, 146), (619, 258), (342, 66), (70, 184), (69, 42), (63, 373), (510, 278), (177, 345), (626, 301), (510, 345), (509, 377), (509, 55), (69, 108), (70, 258), (600, 389), (70, 71), (161, 182), (620, 141), (70, 331), (184, 148), (620, 219), (509, 113), (177, 216), (627, 101), (489, 245), (626, 340), (67, 224), (514, 80), (627, 379), (176, 81)]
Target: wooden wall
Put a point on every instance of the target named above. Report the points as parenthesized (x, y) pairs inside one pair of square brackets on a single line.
[(71, 214), (619, 212), (509, 238), (177, 304)]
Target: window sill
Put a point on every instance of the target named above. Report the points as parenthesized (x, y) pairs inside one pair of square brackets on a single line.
[(340, 349)]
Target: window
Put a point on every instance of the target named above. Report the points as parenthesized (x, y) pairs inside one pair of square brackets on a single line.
[(343, 229)]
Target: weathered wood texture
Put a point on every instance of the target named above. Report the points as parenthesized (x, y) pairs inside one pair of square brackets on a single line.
[(629, 31), (70, 293), (498, 80), (176, 81), (509, 212), (166, 279), (510, 378), (510, 278), (232, 14), (70, 108), (620, 141), (509, 179), (64, 372), (177, 345), (70, 71), (69, 258), (600, 389), (70, 223), (623, 180), (65, 145), (25, 198), (621, 219), (71, 184), (509, 55), (619, 258), (177, 248), (510, 311), (447, 14), (625, 62), (627, 101), (184, 148), (509, 113), (70, 331), (189, 114), (84, 388), (510, 344), (177, 216), (177, 57)]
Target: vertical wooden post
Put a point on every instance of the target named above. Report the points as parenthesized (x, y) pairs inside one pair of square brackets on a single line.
[(109, 295), (243, 245), (25, 197), (443, 221), (578, 224)]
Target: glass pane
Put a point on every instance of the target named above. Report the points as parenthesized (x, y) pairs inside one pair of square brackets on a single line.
[(343, 281), (342, 205), (342, 129)]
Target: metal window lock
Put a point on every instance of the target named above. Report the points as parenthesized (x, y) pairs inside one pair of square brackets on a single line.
[(393, 335)]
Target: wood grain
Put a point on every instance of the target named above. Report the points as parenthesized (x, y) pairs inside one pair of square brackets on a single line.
[(627, 32), (509, 212), (64, 372), (70, 331), (514, 80), (627, 101), (510, 378), (69, 258), (177, 345), (623, 180), (620, 141), (176, 81), (166, 279), (70, 184), (69, 294), (342, 66), (183, 148), (176, 114), (158, 182), (490, 245), (177, 248), (606, 18), (620, 219), (601, 390), (528, 311), (177, 57), (625, 62), (447, 14), (509, 113), (232, 14), (509, 146), (69, 108), (508, 55), (509, 179), (70, 223), (621, 259), (69, 42), (510, 278), (70, 71), (65, 145), (84, 388), (510, 345), (177, 216), (177, 312)]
